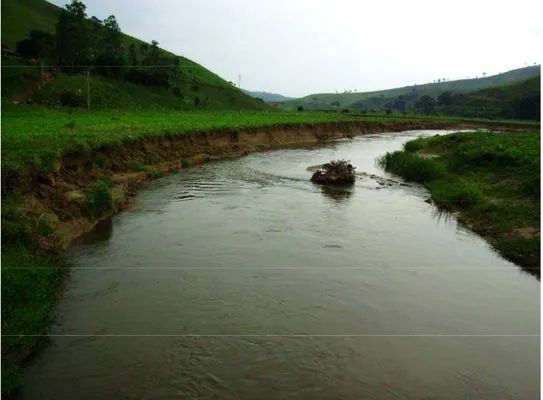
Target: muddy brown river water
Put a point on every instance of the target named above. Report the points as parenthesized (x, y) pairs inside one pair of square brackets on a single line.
[(240, 279)]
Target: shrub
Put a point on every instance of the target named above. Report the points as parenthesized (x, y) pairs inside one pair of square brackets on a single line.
[(99, 198), (300, 108), (414, 145)]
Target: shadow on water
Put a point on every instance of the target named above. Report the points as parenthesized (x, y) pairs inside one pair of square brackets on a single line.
[(102, 232), (337, 193)]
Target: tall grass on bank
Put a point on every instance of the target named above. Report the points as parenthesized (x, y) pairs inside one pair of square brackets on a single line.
[(492, 178), (30, 281), (411, 166)]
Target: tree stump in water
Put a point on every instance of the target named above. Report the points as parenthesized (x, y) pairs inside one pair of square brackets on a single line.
[(334, 172)]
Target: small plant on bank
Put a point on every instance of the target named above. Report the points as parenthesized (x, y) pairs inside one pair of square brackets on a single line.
[(136, 166), (99, 198)]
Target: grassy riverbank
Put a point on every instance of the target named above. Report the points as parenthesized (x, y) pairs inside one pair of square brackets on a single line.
[(37, 139), (34, 136), (493, 179)]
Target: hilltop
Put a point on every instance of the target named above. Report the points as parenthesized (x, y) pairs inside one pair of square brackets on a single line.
[(195, 85), (377, 99)]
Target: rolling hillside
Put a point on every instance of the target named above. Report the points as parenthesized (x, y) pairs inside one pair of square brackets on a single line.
[(267, 96), (21, 16), (380, 97), (518, 100)]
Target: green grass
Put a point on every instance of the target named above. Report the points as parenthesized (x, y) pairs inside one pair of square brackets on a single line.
[(412, 167), (492, 178), (34, 136), (108, 94)]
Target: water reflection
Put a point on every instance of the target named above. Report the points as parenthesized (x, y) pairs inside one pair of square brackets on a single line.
[(337, 193), (442, 215), (102, 232), (450, 217)]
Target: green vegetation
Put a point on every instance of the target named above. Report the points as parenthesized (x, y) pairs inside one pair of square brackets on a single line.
[(125, 72), (492, 178), (30, 280), (520, 100), (34, 136), (99, 198), (377, 100), (412, 167)]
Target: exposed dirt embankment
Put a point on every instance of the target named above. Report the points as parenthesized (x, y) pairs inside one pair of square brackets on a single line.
[(67, 197)]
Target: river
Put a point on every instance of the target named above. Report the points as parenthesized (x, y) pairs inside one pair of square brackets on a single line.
[(240, 279)]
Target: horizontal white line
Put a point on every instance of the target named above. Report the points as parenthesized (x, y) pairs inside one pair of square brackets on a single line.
[(492, 269), (271, 335), (101, 66)]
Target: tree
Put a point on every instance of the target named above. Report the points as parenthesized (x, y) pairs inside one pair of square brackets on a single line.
[(176, 73), (71, 34), (157, 74), (95, 39), (132, 56), (484, 74), (143, 49), (444, 99), (113, 52), (426, 104), (39, 45)]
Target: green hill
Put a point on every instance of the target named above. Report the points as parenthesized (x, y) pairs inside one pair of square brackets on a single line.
[(518, 100), (378, 99), (267, 96), (19, 17)]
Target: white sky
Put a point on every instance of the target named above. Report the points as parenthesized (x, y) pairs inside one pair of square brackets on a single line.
[(300, 47)]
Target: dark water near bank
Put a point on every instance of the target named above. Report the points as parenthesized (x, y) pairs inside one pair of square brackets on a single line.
[(242, 280)]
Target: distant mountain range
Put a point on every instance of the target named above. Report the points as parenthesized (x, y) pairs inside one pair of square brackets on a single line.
[(341, 100), (267, 96)]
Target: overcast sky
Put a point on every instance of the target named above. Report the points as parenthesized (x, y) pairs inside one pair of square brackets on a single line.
[(300, 47)]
